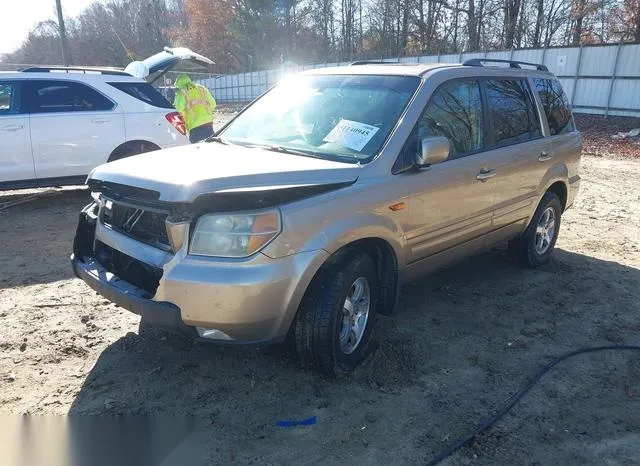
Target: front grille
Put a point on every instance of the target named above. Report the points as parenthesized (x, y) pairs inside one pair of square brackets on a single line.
[(121, 191), (142, 225), (129, 269)]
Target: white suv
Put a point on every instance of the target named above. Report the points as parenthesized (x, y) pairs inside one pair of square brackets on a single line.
[(57, 124)]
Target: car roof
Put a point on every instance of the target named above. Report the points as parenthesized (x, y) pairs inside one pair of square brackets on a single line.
[(380, 68), (72, 74), (421, 69)]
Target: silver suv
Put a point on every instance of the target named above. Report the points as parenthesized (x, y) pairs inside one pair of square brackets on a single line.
[(304, 215)]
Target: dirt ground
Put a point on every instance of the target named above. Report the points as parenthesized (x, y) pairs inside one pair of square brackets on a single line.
[(597, 133), (462, 342)]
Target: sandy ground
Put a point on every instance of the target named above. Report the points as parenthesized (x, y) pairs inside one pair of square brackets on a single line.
[(462, 342)]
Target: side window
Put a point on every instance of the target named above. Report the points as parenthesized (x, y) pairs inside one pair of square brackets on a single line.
[(144, 92), (512, 112), (455, 112), (65, 96), (10, 103), (556, 106)]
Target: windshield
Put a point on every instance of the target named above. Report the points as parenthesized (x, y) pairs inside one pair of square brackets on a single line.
[(333, 117)]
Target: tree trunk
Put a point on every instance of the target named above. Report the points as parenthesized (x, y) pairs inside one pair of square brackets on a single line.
[(521, 27), (511, 10), (472, 26), (579, 16), (431, 11), (64, 45), (537, 35), (455, 25), (405, 28)]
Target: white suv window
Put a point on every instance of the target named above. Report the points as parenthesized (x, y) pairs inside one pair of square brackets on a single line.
[(10, 98), (144, 92), (52, 96)]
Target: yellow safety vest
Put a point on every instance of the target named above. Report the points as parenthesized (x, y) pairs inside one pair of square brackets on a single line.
[(196, 104)]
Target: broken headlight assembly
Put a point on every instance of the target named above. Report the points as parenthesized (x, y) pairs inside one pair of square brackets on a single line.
[(234, 235)]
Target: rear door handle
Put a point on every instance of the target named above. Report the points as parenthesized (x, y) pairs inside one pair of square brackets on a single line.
[(544, 156), (485, 174), (12, 127), (100, 120)]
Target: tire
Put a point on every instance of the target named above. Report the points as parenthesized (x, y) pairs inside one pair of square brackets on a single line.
[(529, 249), (323, 331), (132, 149)]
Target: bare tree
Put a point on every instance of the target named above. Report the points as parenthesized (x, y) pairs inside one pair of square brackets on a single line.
[(254, 34)]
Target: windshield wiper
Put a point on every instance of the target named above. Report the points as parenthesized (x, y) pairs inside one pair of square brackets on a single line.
[(287, 150), (302, 152), (309, 153)]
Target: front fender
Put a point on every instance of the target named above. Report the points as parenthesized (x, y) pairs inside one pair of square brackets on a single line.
[(357, 227), (333, 220), (309, 234)]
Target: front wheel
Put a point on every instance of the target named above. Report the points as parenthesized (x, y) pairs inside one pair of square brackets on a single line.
[(536, 245), (333, 328)]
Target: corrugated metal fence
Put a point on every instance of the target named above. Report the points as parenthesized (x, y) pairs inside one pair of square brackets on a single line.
[(602, 79)]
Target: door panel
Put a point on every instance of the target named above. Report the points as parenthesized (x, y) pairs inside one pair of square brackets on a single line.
[(451, 202), (521, 155), (16, 161), (448, 206), (73, 128), (520, 169)]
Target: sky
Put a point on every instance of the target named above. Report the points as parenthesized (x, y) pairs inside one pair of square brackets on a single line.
[(19, 16)]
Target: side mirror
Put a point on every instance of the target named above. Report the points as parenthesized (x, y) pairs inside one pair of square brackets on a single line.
[(432, 150)]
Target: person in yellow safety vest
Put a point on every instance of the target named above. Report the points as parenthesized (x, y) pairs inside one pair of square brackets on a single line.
[(196, 104)]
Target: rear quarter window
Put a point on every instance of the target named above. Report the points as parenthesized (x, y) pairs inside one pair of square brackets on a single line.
[(556, 106), (144, 92)]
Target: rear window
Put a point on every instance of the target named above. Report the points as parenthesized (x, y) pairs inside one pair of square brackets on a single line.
[(144, 92), (556, 106), (512, 112)]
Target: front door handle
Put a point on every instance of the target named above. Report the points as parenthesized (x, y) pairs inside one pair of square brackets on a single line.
[(485, 174), (100, 120), (12, 127), (544, 156)]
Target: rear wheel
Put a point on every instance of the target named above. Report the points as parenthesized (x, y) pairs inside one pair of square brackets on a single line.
[(536, 245), (333, 329), (132, 148)]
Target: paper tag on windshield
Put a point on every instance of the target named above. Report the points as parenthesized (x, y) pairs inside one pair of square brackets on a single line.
[(351, 134)]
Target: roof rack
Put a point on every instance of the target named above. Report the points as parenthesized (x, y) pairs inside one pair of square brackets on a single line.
[(67, 69), (512, 63), (379, 62), (367, 62)]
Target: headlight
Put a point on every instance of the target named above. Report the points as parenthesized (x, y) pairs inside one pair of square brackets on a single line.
[(236, 235)]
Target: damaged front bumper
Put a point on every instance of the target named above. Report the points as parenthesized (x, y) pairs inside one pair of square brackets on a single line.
[(230, 301), (160, 314)]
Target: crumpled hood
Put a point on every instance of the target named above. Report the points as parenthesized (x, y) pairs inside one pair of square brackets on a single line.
[(183, 173)]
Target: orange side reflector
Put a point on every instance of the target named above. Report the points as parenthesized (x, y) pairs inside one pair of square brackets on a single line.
[(398, 206)]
